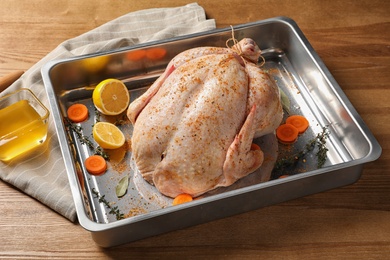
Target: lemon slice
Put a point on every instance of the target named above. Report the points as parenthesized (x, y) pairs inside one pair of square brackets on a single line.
[(108, 135), (111, 97)]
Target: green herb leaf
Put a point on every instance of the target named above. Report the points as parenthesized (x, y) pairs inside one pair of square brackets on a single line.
[(122, 186), (113, 210), (78, 130), (286, 163), (285, 101)]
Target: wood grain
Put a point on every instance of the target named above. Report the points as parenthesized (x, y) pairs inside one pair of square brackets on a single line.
[(10, 78), (352, 38)]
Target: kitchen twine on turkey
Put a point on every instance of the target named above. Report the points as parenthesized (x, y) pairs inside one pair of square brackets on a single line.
[(237, 48)]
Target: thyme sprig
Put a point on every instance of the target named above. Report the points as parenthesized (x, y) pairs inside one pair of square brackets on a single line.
[(319, 141), (97, 115), (322, 149), (78, 130), (119, 121), (113, 210)]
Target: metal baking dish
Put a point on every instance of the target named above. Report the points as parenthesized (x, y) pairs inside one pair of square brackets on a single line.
[(298, 71)]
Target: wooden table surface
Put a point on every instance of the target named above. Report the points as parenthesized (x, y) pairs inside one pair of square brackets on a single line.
[(352, 222)]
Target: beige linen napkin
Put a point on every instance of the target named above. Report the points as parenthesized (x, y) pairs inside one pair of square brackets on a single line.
[(43, 174)]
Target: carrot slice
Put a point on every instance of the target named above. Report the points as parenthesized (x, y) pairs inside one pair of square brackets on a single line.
[(156, 53), (182, 198), (255, 147), (96, 165), (77, 113), (136, 55), (300, 122), (287, 133)]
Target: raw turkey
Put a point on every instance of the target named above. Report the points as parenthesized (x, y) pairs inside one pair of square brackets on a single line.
[(194, 127)]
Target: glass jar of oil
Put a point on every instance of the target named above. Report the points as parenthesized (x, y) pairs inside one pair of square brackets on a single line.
[(23, 124)]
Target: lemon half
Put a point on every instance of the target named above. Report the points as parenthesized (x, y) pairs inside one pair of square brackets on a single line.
[(108, 135), (111, 97)]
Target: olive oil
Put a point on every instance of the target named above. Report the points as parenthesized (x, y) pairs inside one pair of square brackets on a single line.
[(21, 130)]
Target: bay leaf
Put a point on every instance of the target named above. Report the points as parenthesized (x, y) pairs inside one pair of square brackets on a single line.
[(122, 186), (285, 101)]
